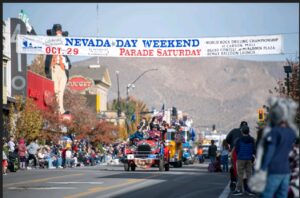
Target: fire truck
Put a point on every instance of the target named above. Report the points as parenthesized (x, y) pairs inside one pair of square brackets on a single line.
[(147, 152), (174, 143)]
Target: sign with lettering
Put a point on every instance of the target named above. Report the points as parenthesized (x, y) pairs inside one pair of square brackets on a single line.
[(18, 61), (150, 47), (79, 83)]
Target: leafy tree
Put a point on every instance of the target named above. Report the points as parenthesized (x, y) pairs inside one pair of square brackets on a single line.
[(25, 120), (294, 84), (103, 132), (82, 115), (14, 115), (38, 65), (52, 124), (84, 123), (123, 135), (135, 106), (12, 120)]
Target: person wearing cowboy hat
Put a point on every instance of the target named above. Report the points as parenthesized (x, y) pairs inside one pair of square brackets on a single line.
[(57, 68)]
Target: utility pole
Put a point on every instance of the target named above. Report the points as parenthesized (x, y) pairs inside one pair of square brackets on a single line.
[(98, 61), (119, 107), (131, 85), (288, 70), (127, 107)]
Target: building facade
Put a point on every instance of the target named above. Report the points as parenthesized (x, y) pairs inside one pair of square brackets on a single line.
[(92, 81)]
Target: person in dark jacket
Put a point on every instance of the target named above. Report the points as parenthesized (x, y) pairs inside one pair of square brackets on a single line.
[(245, 150), (235, 134), (144, 123), (154, 124), (212, 151)]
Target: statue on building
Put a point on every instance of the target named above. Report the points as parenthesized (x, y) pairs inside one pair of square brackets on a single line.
[(57, 68)]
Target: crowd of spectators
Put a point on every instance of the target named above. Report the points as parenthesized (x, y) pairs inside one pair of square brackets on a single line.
[(22, 154)]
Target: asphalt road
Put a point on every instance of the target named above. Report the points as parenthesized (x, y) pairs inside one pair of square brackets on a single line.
[(112, 181)]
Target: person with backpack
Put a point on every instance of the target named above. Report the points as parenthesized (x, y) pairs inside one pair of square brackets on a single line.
[(245, 150)]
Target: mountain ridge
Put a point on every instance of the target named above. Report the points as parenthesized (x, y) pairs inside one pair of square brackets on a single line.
[(218, 90)]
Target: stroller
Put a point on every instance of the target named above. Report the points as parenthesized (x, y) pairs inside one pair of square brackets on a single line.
[(13, 161), (215, 166)]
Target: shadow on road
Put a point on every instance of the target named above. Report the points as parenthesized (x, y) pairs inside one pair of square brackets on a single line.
[(186, 182), (185, 186)]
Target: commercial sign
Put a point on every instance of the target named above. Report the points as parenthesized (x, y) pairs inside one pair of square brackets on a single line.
[(40, 89), (79, 83), (150, 47), (18, 61)]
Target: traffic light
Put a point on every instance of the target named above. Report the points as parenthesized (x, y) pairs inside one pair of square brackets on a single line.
[(213, 127), (261, 115)]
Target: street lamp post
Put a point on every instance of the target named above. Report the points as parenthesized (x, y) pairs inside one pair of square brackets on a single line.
[(119, 107), (288, 70), (132, 86)]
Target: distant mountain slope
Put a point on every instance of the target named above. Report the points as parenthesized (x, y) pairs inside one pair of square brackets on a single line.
[(221, 91)]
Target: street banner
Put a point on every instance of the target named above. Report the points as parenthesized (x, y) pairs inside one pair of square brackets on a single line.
[(150, 47)]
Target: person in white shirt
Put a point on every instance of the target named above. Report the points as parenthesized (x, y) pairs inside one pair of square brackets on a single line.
[(68, 157), (11, 144)]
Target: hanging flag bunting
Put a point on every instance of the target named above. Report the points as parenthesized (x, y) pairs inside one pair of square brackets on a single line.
[(150, 47)]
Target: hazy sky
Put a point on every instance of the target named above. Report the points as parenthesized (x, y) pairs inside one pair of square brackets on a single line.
[(167, 20)]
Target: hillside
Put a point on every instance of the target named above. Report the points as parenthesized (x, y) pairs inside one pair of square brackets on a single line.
[(221, 91)]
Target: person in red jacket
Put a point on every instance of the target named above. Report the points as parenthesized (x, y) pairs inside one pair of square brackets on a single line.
[(63, 156), (22, 153)]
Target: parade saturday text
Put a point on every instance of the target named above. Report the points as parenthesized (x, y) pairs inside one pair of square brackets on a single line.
[(145, 47)]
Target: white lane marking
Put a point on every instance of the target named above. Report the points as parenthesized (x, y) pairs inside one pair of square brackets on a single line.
[(144, 183), (94, 183), (225, 192), (40, 188)]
